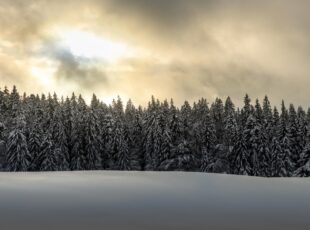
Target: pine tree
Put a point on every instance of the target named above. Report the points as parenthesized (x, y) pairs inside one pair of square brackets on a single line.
[(230, 124), (239, 158), (152, 142), (2, 129), (34, 145), (120, 156), (17, 155), (118, 108), (78, 136), (186, 123), (204, 132), (283, 122), (107, 128), (244, 155), (183, 158), (278, 167), (51, 157), (264, 153), (302, 126), (123, 156), (2, 146), (268, 120), (304, 162), (59, 138), (133, 132), (246, 111), (261, 140), (303, 169), (294, 135), (136, 145), (206, 165), (68, 111), (288, 163), (92, 139), (258, 112), (217, 113)]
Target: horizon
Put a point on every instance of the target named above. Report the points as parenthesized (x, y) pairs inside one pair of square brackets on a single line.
[(125, 101)]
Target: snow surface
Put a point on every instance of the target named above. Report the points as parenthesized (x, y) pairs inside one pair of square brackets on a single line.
[(151, 200)]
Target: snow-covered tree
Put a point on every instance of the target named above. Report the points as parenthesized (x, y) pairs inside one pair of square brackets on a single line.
[(123, 161), (120, 155), (17, 155), (152, 142), (92, 141), (303, 169), (43, 132), (246, 111), (34, 145), (78, 136), (204, 131), (304, 162), (217, 113), (244, 156), (239, 158), (59, 138), (107, 128), (294, 135), (49, 156), (230, 124)]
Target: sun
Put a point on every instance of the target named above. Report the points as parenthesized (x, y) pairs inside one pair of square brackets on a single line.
[(89, 45)]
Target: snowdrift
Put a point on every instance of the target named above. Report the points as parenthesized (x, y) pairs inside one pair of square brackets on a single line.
[(151, 200)]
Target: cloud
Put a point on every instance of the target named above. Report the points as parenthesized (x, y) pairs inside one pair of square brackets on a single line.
[(78, 70), (190, 48)]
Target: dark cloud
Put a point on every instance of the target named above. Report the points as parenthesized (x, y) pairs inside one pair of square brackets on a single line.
[(78, 70), (163, 13)]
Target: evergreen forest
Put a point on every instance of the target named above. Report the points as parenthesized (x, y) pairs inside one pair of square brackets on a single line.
[(47, 133)]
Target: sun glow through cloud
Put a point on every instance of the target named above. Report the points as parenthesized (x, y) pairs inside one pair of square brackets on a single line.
[(44, 71), (88, 45)]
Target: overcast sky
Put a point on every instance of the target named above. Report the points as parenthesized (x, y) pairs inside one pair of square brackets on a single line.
[(177, 48)]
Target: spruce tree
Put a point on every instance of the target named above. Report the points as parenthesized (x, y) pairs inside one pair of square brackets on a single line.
[(230, 124), (2, 146), (288, 163), (246, 111), (303, 169), (49, 156), (78, 136), (59, 137), (244, 155), (34, 145), (304, 163), (92, 139), (217, 113), (120, 156), (123, 161), (152, 142), (294, 135), (204, 132), (106, 138), (17, 155)]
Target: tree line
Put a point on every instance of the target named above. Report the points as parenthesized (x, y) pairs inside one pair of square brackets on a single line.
[(47, 133)]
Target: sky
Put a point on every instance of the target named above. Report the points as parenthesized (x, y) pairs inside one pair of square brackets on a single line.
[(171, 49)]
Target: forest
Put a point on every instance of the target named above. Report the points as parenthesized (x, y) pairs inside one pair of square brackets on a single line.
[(47, 133)]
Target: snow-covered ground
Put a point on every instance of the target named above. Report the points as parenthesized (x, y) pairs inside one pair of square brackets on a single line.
[(151, 200)]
